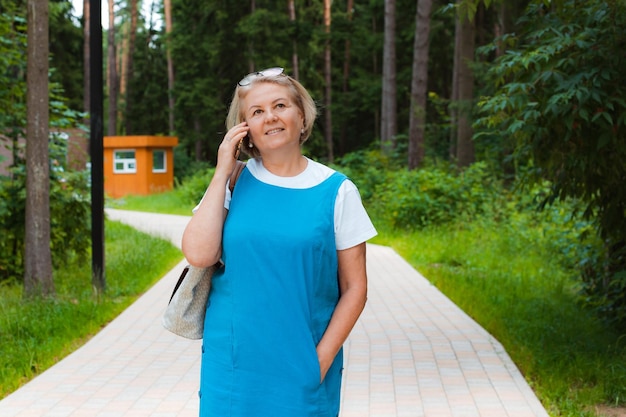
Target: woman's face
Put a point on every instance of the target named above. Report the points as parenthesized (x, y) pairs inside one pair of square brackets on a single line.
[(275, 121)]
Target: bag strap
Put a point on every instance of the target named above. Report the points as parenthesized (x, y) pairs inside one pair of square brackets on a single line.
[(239, 166)]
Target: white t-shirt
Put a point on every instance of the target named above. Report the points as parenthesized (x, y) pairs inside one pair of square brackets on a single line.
[(352, 224)]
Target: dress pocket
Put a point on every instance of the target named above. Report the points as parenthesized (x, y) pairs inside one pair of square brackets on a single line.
[(314, 365)]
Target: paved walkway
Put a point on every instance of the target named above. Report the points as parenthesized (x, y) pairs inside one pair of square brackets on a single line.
[(413, 353)]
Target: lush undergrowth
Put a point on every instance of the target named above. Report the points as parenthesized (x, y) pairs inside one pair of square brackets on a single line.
[(37, 334)]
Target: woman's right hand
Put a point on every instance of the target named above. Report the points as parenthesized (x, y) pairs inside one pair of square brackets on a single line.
[(227, 152), (202, 238)]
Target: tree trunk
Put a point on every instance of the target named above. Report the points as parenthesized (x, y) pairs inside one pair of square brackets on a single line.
[(37, 256), (129, 63), (465, 143), (122, 75), (251, 62), (375, 70), (346, 74), (170, 63), (346, 53), (388, 123), (419, 84), (454, 97), (86, 58), (112, 73), (500, 28), (294, 55), (328, 125)]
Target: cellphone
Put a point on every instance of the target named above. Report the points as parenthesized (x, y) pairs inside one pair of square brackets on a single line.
[(238, 151)]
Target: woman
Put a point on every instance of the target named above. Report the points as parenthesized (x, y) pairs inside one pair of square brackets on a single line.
[(292, 240)]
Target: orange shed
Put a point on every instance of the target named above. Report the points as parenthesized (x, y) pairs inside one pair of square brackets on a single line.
[(139, 165)]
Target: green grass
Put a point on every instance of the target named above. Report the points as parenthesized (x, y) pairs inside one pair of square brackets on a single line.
[(37, 334), (166, 203), (519, 292)]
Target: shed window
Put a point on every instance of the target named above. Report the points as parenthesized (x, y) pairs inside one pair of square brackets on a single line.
[(158, 161), (124, 162)]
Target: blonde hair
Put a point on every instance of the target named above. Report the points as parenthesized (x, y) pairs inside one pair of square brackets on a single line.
[(299, 95)]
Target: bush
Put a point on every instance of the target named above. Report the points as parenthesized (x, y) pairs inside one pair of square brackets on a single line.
[(408, 200), (186, 167), (70, 224), (12, 213), (194, 186)]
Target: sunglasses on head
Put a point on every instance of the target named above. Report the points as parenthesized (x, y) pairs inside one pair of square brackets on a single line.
[(270, 72)]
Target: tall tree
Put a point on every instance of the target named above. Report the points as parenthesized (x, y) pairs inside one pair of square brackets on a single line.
[(328, 124), (388, 115), (294, 55), (167, 10), (37, 256), (419, 83), (454, 94), (251, 41), (122, 76), (66, 53), (112, 82), (86, 59), (134, 14), (464, 81), (346, 72), (346, 51)]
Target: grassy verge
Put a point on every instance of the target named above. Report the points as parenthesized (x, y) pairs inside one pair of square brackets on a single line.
[(37, 334), (520, 293), (166, 203)]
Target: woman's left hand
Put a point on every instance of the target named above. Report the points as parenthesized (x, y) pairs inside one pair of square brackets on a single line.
[(353, 289), (325, 364)]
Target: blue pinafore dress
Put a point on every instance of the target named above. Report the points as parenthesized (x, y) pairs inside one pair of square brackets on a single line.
[(271, 303)]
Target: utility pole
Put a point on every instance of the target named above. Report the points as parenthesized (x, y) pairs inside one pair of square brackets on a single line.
[(96, 147)]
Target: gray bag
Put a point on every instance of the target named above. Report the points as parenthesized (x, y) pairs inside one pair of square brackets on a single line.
[(185, 312)]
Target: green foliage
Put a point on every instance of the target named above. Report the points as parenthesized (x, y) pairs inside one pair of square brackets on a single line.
[(70, 216), (66, 53), (148, 87), (12, 72), (409, 200), (191, 191), (561, 97), (366, 168), (69, 191), (415, 199), (70, 202), (185, 166), (12, 212), (35, 334), (70, 208), (203, 43)]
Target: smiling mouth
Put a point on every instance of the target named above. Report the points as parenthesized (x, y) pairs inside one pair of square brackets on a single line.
[(271, 132)]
